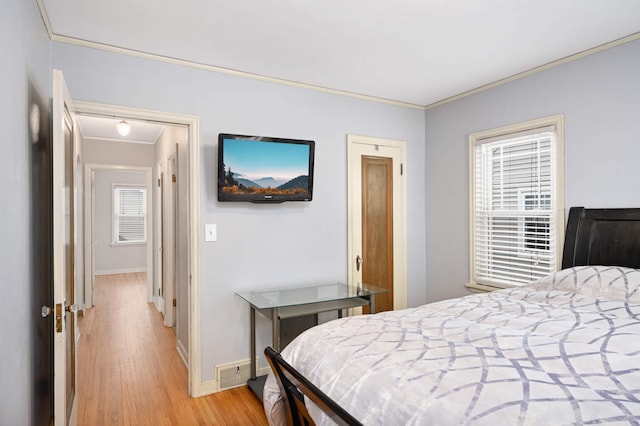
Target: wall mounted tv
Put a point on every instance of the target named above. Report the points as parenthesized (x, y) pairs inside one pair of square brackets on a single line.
[(262, 169)]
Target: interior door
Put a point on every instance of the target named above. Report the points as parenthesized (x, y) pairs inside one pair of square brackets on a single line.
[(169, 243), (41, 234), (64, 311), (377, 223), (161, 266), (377, 228)]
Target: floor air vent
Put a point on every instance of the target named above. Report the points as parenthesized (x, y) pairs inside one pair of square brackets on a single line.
[(232, 375)]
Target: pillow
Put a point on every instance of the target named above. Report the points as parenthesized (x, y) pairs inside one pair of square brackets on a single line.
[(611, 282)]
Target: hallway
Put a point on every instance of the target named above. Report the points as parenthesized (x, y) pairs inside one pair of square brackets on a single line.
[(130, 373)]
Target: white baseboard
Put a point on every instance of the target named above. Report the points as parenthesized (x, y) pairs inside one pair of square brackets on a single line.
[(208, 388), (159, 302), (182, 351), (120, 271), (263, 371)]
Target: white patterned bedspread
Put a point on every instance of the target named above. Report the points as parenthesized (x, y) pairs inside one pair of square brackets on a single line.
[(563, 350)]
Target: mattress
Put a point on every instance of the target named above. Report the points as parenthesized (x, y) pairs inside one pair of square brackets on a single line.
[(562, 350)]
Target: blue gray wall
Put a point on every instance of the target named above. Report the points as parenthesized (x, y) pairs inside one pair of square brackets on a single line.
[(260, 246), (24, 47), (599, 96)]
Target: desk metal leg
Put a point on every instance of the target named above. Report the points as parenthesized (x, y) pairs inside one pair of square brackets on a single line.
[(253, 343), (372, 304), (275, 329), (256, 384)]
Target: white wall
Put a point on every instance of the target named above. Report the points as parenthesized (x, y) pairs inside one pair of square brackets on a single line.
[(115, 259), (599, 97), (24, 48), (260, 246)]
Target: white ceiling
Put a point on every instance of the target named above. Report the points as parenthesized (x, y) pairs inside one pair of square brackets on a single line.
[(411, 51), (104, 128)]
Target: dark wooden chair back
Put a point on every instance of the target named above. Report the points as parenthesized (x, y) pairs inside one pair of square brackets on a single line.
[(294, 387)]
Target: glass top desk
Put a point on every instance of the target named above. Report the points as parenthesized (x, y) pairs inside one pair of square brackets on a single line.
[(291, 302)]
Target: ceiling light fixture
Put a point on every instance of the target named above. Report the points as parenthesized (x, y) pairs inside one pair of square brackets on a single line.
[(123, 128)]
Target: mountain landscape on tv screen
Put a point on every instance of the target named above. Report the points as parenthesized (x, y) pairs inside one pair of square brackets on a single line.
[(239, 184), (269, 182), (299, 182)]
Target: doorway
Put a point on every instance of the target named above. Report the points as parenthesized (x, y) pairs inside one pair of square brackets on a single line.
[(100, 182), (189, 347), (377, 217)]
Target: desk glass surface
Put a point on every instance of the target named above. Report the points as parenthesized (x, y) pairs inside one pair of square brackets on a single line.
[(302, 295)]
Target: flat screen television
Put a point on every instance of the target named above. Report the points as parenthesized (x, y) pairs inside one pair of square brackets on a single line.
[(263, 169)]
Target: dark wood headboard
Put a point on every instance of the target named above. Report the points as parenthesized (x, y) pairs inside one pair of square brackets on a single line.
[(602, 237)]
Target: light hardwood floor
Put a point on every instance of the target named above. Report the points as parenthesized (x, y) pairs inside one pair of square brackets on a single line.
[(129, 372)]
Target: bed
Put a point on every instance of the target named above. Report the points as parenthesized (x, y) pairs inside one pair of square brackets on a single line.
[(562, 350)]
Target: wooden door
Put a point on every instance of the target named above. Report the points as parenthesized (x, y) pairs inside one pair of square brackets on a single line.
[(377, 217), (377, 228)]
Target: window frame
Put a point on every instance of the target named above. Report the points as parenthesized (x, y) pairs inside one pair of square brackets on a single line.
[(506, 132), (115, 216)]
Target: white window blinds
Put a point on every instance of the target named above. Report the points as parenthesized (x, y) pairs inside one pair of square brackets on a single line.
[(514, 208), (129, 215)]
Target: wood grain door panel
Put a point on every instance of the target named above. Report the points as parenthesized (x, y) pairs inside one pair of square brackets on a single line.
[(377, 227)]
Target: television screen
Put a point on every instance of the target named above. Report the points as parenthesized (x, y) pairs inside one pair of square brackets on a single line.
[(263, 169)]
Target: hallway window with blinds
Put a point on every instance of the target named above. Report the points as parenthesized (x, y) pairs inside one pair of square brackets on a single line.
[(129, 215), (517, 206)]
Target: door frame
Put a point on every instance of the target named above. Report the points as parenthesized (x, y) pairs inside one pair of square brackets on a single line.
[(192, 124), (89, 218), (400, 223)]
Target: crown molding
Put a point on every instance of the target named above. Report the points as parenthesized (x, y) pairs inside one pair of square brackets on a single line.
[(45, 18), (191, 64), (570, 58), (212, 68), (243, 74)]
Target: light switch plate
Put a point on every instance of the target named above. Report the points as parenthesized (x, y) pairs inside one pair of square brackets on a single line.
[(210, 232)]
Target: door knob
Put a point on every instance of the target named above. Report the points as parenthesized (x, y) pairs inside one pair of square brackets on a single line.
[(46, 311), (359, 261)]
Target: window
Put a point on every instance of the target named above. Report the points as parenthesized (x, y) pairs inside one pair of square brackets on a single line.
[(517, 203), (536, 229), (129, 215)]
